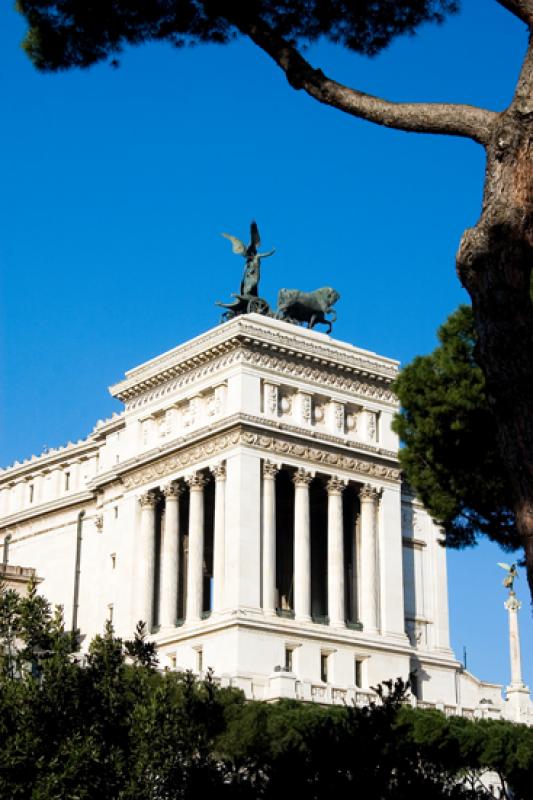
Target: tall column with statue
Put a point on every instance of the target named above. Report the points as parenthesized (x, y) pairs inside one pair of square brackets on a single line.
[(517, 692)]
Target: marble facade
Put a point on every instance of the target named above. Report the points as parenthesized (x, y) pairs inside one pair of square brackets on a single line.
[(247, 503)]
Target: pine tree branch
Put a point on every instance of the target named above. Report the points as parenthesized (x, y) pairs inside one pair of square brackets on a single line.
[(440, 118), (523, 9)]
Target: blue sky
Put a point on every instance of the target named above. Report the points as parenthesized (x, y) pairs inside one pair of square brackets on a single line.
[(116, 184)]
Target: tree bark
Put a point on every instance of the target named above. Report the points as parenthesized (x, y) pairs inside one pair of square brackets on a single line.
[(494, 264)]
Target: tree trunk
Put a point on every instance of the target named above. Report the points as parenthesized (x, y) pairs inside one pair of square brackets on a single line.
[(494, 264)]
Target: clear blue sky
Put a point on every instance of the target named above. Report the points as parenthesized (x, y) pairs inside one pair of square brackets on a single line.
[(116, 184)]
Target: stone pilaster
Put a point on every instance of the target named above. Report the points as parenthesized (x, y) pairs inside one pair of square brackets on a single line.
[(369, 496), (336, 590), (219, 545), (195, 570), (302, 546), (269, 538), (146, 555), (170, 557)]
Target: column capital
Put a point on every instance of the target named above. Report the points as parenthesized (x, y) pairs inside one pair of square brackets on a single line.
[(219, 471), (301, 477), (335, 485), (148, 499), (369, 492), (512, 603), (270, 470), (172, 490), (196, 482)]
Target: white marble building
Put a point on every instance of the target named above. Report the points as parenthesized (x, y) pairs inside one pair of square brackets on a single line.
[(247, 503)]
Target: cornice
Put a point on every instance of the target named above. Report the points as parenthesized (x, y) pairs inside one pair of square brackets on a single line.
[(305, 632), (48, 461), (42, 510), (326, 380), (278, 444), (253, 332)]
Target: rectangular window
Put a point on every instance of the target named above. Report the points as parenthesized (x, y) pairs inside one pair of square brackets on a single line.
[(32, 491), (113, 560), (110, 612), (358, 673), (67, 481), (200, 659), (116, 512), (324, 667), (288, 658)]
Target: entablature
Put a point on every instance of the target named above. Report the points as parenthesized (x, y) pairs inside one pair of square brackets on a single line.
[(258, 339)]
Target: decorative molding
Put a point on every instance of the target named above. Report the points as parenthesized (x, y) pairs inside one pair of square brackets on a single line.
[(370, 493), (320, 435), (43, 509), (265, 441), (326, 375), (99, 523), (302, 477), (184, 458)]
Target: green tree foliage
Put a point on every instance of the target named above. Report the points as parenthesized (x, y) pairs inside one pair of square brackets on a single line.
[(67, 33), (106, 728), (450, 456)]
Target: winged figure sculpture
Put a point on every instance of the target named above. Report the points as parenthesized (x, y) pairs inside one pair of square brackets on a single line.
[(252, 269), (512, 574)]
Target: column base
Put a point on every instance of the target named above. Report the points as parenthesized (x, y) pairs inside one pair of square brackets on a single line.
[(302, 618), (339, 624)]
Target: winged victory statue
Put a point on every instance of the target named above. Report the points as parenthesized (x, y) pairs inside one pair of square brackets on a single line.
[(512, 575), (247, 300)]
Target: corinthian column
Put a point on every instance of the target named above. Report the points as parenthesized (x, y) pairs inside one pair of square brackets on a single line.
[(336, 595), (146, 555), (302, 547), (512, 604), (170, 557), (219, 545), (195, 571), (269, 538), (369, 496)]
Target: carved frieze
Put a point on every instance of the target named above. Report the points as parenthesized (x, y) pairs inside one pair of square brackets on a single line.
[(265, 442), (286, 365)]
